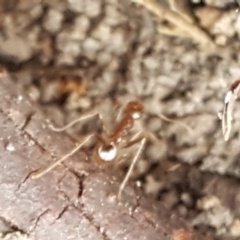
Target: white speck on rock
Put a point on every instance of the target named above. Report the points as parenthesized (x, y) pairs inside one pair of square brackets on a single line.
[(10, 147), (31, 143), (20, 98)]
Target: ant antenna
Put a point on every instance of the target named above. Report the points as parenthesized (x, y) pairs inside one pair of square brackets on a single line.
[(190, 130), (73, 122)]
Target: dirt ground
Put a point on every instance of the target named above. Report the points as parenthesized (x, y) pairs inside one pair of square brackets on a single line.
[(76, 56)]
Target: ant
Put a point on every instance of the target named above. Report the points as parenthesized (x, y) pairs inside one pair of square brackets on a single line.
[(108, 146)]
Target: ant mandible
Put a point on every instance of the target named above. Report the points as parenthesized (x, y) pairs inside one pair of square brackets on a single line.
[(108, 146)]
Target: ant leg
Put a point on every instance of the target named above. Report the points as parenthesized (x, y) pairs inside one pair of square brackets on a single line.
[(125, 180), (54, 164), (90, 115), (189, 129)]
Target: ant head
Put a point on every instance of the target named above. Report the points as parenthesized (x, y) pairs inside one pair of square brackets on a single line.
[(107, 153), (135, 108)]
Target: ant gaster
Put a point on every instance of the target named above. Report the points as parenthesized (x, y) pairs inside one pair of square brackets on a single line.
[(108, 146)]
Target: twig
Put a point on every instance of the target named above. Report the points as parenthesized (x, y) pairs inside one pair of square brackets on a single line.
[(192, 29), (229, 102)]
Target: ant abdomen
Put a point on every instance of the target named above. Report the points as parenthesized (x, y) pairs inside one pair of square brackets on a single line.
[(105, 153)]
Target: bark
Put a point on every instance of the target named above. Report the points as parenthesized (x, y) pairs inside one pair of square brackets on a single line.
[(77, 200)]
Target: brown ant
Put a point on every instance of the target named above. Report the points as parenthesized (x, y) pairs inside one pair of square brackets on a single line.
[(108, 146)]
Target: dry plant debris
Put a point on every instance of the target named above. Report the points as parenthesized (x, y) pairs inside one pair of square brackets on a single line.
[(229, 102), (184, 20)]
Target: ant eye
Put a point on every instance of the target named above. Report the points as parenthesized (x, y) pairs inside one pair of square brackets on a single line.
[(107, 153)]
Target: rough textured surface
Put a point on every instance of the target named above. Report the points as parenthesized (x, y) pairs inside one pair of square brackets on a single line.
[(76, 203), (84, 55)]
